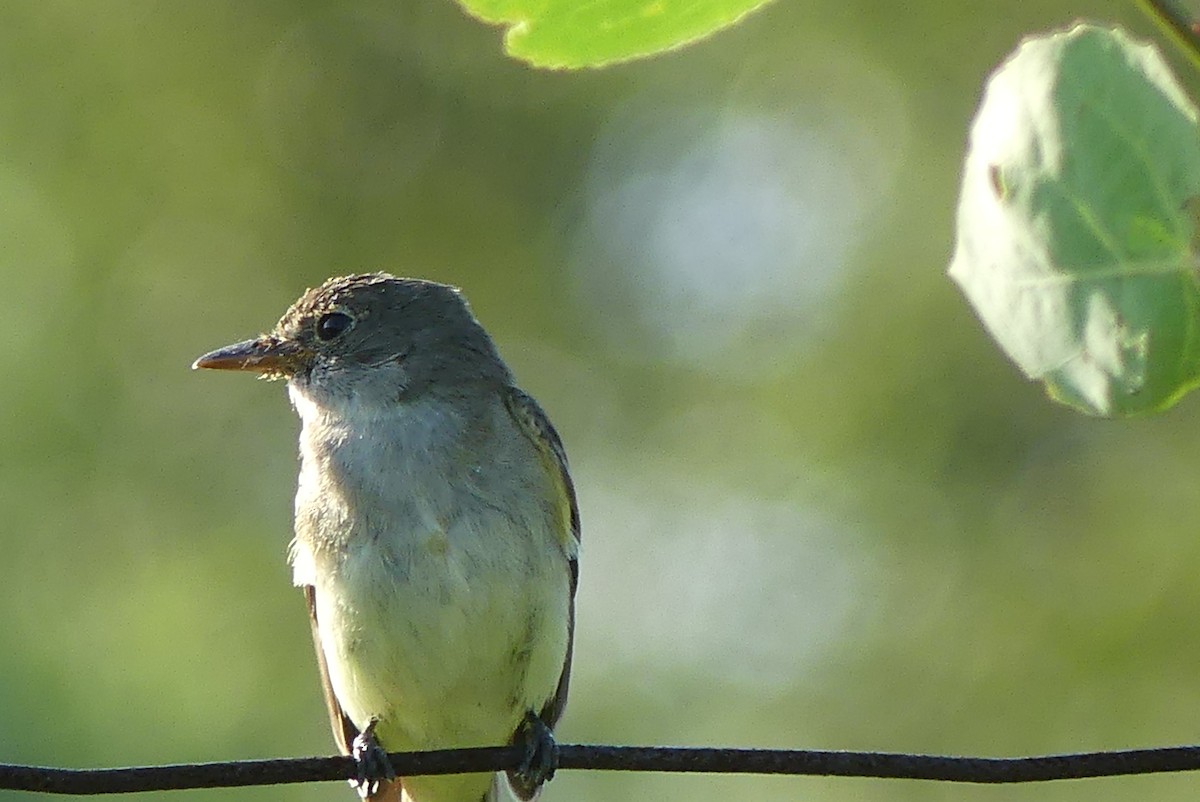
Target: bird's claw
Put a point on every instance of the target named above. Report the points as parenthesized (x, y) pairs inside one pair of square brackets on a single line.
[(371, 762), (540, 759)]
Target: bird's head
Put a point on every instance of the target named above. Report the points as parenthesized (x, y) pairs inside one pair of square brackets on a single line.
[(367, 335)]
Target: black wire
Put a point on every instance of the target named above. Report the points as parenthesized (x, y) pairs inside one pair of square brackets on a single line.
[(612, 758)]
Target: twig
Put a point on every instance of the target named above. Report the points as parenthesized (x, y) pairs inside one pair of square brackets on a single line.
[(1181, 26)]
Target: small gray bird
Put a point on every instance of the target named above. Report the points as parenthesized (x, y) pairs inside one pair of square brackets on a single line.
[(437, 534)]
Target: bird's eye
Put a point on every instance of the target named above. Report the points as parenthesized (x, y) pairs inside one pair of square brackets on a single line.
[(332, 325)]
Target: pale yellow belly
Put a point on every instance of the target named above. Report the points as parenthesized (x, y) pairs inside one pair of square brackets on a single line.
[(452, 654)]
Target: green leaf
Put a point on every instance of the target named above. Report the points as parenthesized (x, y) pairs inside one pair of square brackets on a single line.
[(1077, 221), (592, 33)]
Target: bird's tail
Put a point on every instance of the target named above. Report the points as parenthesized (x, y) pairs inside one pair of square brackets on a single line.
[(503, 790), (389, 791), (496, 793)]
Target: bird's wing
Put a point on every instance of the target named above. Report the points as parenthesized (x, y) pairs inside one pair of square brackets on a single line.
[(344, 731), (537, 427)]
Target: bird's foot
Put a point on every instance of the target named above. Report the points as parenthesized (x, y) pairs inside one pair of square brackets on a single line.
[(371, 761), (540, 760)]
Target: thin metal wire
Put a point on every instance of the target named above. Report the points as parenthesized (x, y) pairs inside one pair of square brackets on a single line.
[(613, 758)]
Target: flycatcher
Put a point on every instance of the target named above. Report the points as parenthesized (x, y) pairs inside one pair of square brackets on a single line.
[(437, 533)]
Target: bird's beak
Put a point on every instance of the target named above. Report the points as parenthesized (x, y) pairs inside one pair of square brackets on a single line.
[(267, 355)]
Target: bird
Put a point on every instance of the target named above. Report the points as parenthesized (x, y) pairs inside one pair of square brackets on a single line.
[(436, 532)]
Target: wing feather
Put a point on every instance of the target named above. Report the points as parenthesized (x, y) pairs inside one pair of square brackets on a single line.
[(537, 427)]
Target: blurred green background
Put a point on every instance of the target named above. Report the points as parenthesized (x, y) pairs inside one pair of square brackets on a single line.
[(820, 509)]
